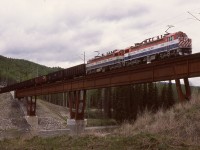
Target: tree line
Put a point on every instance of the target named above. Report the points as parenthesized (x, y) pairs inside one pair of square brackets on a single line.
[(125, 102)]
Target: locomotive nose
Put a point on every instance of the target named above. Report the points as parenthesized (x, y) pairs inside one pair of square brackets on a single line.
[(186, 43)]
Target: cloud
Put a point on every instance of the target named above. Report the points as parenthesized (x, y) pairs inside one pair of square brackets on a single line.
[(58, 32), (118, 13)]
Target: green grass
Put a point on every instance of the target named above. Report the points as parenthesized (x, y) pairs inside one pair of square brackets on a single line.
[(100, 122), (139, 141)]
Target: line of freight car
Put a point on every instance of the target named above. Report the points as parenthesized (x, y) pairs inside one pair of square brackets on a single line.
[(75, 71), (40, 80), (24, 84), (65, 74)]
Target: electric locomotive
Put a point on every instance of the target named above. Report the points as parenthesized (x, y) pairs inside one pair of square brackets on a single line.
[(149, 50)]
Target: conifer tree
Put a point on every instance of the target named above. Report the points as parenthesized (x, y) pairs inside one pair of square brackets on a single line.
[(118, 105), (156, 97), (151, 93), (163, 100), (139, 99), (170, 95), (134, 102), (145, 95), (107, 102)]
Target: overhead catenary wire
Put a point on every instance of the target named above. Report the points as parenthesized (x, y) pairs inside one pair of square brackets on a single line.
[(193, 16)]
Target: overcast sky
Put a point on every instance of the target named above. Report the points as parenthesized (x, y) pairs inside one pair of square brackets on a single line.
[(57, 32)]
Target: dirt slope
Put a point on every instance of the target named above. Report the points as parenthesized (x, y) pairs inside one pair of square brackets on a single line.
[(12, 112)]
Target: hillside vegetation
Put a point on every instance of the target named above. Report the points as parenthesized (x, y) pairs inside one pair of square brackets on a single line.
[(16, 70), (175, 128)]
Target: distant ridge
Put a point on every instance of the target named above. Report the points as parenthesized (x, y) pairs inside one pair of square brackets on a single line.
[(15, 70)]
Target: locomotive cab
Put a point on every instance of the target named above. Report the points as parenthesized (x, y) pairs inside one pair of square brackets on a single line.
[(178, 44)]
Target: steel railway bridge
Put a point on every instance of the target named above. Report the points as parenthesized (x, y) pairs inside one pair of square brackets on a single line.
[(177, 68)]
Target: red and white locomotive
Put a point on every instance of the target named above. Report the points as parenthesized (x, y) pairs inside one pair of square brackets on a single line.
[(152, 49)]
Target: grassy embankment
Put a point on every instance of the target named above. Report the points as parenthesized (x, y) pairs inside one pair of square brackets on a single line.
[(176, 128)]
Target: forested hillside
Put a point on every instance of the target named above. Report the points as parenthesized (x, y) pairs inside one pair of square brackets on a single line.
[(16, 70)]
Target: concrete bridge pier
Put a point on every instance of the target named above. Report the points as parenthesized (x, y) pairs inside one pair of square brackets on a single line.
[(31, 117), (181, 95), (76, 123)]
